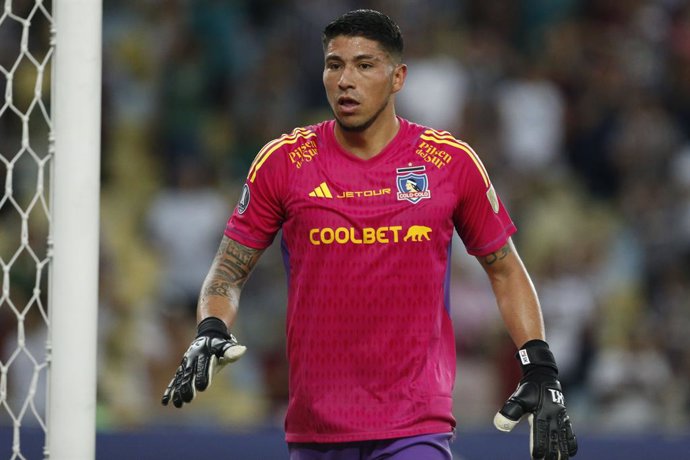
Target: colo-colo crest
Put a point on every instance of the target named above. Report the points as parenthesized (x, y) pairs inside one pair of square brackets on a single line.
[(413, 184)]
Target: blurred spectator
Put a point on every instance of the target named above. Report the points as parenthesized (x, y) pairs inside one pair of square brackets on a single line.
[(530, 110), (630, 383), (183, 221), (436, 87)]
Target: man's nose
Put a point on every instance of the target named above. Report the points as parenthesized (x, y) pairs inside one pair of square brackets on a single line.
[(346, 78)]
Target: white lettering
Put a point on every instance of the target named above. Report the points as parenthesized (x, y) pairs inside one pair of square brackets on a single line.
[(557, 397)]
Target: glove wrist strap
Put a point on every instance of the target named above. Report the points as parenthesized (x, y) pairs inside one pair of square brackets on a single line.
[(212, 327), (535, 356)]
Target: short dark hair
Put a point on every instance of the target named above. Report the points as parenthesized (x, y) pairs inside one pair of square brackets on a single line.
[(370, 24)]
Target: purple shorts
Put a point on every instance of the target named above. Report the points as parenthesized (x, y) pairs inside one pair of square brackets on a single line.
[(427, 447)]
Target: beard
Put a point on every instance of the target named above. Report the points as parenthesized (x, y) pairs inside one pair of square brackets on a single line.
[(358, 128)]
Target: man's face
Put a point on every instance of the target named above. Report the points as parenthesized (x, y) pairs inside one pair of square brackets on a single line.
[(360, 77)]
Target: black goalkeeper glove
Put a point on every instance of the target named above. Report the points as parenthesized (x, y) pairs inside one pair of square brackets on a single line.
[(213, 348), (539, 396)]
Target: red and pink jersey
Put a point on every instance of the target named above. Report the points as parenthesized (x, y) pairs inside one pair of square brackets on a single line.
[(367, 246)]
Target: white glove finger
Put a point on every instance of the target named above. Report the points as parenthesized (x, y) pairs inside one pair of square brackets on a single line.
[(503, 423), (232, 354)]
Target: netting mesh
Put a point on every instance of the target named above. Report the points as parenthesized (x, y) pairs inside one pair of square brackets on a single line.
[(26, 50)]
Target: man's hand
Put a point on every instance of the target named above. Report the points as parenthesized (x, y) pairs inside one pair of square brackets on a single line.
[(213, 348), (539, 396)]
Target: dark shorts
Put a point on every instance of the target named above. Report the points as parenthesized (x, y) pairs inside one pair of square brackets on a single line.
[(423, 447)]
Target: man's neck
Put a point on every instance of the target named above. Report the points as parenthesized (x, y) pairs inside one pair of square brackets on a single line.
[(370, 142)]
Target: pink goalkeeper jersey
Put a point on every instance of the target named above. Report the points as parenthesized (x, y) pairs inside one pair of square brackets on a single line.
[(367, 246)]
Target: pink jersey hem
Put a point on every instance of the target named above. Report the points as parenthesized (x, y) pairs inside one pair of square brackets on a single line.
[(369, 435)]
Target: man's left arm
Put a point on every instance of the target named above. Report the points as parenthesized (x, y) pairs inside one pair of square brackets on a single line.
[(515, 294), (539, 395)]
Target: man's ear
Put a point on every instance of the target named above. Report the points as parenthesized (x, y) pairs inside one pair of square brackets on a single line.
[(399, 75)]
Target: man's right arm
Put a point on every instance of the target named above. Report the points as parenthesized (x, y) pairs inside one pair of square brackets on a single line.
[(214, 345), (220, 292)]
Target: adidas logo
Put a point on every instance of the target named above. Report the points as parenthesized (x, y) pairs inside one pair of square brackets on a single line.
[(322, 191)]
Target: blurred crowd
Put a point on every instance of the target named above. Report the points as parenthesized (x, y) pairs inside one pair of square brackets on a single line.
[(580, 110)]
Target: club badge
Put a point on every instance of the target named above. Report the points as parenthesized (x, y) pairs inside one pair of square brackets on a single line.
[(413, 184)]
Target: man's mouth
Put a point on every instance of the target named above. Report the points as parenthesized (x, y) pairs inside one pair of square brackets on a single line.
[(347, 104)]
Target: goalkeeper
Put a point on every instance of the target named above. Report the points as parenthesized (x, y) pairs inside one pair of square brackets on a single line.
[(370, 343)]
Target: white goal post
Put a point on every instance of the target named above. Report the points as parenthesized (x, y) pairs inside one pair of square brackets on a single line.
[(73, 291), (49, 226)]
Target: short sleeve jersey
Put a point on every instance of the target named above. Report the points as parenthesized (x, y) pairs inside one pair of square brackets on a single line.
[(366, 245)]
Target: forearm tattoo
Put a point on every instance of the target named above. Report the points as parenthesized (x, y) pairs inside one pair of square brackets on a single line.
[(231, 268), (496, 256)]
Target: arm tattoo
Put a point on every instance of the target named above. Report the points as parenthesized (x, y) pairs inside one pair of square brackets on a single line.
[(496, 256), (231, 268), (236, 261)]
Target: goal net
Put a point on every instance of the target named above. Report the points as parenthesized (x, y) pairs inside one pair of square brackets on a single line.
[(49, 160), (25, 157)]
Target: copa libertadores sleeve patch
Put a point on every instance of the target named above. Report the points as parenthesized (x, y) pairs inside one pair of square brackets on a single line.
[(493, 199), (244, 199)]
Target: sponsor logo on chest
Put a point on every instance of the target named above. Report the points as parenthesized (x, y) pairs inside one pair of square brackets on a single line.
[(324, 191), (369, 235)]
